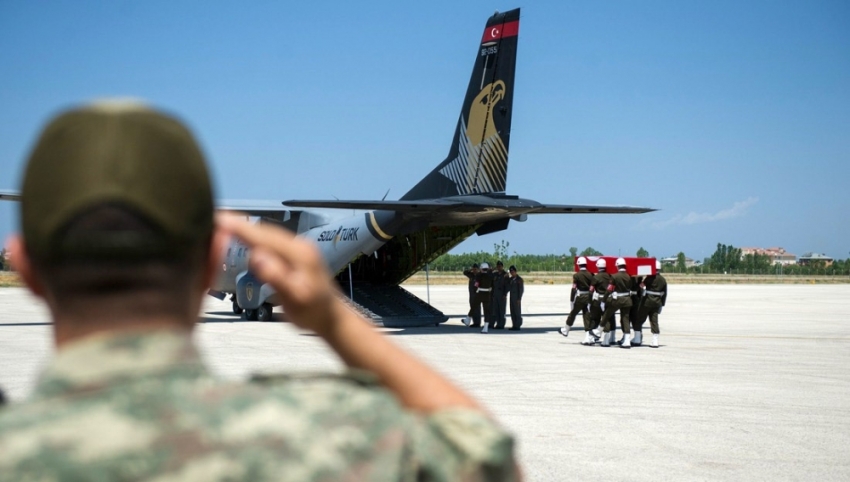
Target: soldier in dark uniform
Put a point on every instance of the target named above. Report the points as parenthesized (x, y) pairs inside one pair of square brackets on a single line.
[(471, 274), (483, 288), (516, 287), (654, 299), (499, 296), (619, 299), (579, 301), (598, 292)]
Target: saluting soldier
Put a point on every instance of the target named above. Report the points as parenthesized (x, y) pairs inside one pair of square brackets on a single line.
[(654, 299), (123, 259), (472, 274), (619, 299), (579, 301), (516, 287), (598, 293), (499, 296)]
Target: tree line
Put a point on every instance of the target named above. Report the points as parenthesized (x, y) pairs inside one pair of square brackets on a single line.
[(726, 259)]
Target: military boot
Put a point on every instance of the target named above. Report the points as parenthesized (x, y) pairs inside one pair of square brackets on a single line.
[(466, 321), (486, 328), (654, 343), (638, 338), (588, 339), (626, 342), (606, 339), (565, 330)]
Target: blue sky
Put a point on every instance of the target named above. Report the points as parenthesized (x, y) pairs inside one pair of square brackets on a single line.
[(732, 118)]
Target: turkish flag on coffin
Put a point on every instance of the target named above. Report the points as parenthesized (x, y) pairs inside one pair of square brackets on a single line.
[(634, 266)]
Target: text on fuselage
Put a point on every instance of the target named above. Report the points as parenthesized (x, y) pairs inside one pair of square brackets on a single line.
[(347, 234)]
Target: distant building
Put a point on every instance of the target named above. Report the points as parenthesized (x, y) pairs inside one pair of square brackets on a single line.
[(810, 258), (672, 260), (777, 255)]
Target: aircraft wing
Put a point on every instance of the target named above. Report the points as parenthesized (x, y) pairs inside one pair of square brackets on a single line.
[(509, 205), (10, 196), (580, 209), (254, 207), (425, 205)]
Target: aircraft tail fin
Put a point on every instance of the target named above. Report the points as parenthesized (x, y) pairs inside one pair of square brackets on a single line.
[(478, 159)]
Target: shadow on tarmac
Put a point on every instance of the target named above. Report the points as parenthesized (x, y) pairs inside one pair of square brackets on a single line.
[(37, 323), (462, 330)]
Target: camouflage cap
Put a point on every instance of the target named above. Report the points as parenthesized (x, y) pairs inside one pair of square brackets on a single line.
[(115, 153)]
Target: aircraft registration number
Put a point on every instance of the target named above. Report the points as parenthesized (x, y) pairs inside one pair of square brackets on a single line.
[(489, 50)]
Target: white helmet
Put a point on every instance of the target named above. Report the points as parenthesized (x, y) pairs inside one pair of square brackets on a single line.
[(621, 262), (657, 264), (601, 263), (485, 266), (581, 261)]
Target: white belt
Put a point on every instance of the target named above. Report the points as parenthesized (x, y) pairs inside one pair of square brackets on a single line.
[(582, 292), (485, 290), (617, 295), (632, 293), (656, 293)]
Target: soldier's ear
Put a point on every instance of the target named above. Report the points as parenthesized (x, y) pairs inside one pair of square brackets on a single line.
[(22, 264)]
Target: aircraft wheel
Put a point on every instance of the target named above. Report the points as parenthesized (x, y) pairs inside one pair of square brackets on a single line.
[(264, 312), (237, 310), (251, 315)]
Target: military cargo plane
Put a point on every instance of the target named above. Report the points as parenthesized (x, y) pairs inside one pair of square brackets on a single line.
[(373, 246)]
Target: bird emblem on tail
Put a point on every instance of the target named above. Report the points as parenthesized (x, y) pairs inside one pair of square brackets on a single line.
[(482, 161)]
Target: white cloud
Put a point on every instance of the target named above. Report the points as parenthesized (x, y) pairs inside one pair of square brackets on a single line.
[(738, 209)]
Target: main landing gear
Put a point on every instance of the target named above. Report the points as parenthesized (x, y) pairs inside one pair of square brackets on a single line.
[(263, 313)]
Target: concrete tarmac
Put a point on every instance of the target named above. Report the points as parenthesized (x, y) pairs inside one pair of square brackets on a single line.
[(752, 382)]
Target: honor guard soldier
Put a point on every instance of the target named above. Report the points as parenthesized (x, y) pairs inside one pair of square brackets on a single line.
[(483, 289), (472, 274), (499, 296), (619, 299), (654, 299), (598, 292), (634, 311), (516, 287), (579, 301)]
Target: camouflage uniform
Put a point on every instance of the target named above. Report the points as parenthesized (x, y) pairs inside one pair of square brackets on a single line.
[(144, 407)]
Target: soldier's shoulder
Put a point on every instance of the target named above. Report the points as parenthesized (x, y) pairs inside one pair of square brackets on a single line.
[(352, 378), (359, 385)]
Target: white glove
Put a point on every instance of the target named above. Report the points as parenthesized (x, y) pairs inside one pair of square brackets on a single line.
[(595, 296), (572, 305)]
